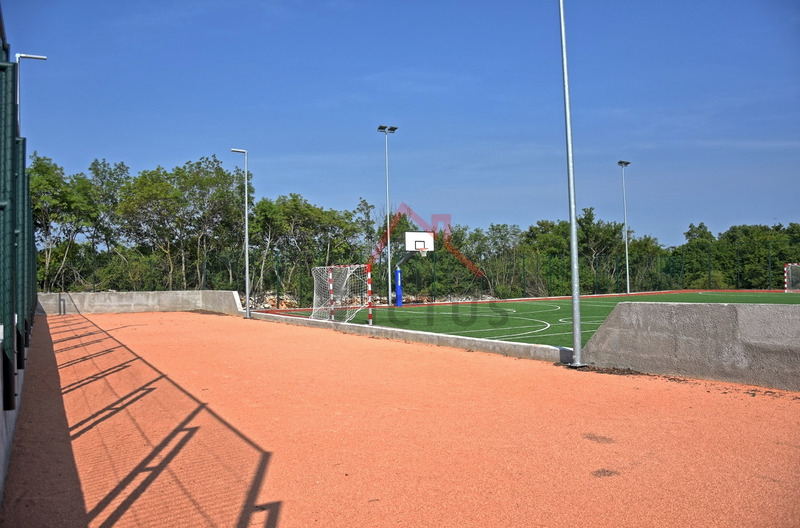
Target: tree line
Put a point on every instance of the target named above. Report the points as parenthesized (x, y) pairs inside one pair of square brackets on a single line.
[(183, 228)]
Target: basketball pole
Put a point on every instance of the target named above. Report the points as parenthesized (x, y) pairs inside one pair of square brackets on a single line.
[(573, 221)]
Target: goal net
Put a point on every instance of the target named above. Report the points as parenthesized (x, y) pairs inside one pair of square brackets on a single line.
[(791, 277), (340, 292)]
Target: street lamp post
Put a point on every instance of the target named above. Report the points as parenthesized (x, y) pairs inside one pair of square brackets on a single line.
[(23, 56), (23, 261), (624, 164), (386, 131), (573, 219), (246, 234)]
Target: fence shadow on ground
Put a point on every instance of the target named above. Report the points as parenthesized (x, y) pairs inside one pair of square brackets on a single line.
[(43, 479), (140, 449)]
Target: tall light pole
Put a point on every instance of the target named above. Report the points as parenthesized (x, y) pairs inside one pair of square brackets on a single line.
[(246, 234), (573, 220), (624, 164), (386, 131), (23, 56)]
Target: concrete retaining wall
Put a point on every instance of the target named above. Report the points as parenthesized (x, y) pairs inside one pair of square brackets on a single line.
[(228, 302), (753, 344), (505, 348), (121, 302)]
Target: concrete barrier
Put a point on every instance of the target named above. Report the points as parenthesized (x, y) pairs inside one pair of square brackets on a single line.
[(505, 348), (228, 302), (753, 344), (122, 302)]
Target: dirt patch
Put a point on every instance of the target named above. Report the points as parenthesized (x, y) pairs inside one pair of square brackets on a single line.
[(208, 312), (600, 473), (605, 370), (600, 439)]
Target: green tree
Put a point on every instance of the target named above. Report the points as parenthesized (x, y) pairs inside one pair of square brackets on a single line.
[(149, 210), (301, 235), (597, 241), (698, 232), (50, 206), (82, 215), (647, 262), (365, 226), (502, 263), (269, 227), (549, 236), (184, 227), (210, 199), (107, 180), (62, 209)]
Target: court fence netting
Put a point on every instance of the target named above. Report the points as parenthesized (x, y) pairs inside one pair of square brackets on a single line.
[(17, 244)]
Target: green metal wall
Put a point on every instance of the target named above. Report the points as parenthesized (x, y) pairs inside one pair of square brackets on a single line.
[(17, 246)]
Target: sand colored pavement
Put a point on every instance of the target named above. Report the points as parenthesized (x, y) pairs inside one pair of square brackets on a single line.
[(191, 419)]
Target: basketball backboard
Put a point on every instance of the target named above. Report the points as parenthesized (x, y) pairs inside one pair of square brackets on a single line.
[(419, 241)]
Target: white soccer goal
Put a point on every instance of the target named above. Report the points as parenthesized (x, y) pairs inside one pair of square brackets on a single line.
[(791, 277), (340, 292)]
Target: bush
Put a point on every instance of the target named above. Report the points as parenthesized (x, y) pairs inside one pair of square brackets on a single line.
[(699, 281)]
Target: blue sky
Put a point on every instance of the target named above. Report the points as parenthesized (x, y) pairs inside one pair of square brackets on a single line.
[(703, 97)]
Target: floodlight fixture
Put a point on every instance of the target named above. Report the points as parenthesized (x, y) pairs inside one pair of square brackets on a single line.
[(18, 57), (27, 56), (386, 129)]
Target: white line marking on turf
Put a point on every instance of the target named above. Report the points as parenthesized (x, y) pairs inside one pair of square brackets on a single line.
[(545, 327)]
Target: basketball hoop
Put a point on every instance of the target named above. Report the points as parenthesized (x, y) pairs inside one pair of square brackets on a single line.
[(420, 242)]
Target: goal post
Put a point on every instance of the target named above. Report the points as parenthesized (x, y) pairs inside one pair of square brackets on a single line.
[(791, 277), (340, 292)]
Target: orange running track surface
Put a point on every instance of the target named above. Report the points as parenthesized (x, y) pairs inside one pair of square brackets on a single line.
[(191, 419)]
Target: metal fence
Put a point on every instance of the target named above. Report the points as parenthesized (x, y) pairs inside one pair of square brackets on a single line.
[(17, 246)]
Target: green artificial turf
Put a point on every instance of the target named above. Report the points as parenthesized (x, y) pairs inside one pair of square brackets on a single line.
[(545, 321)]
